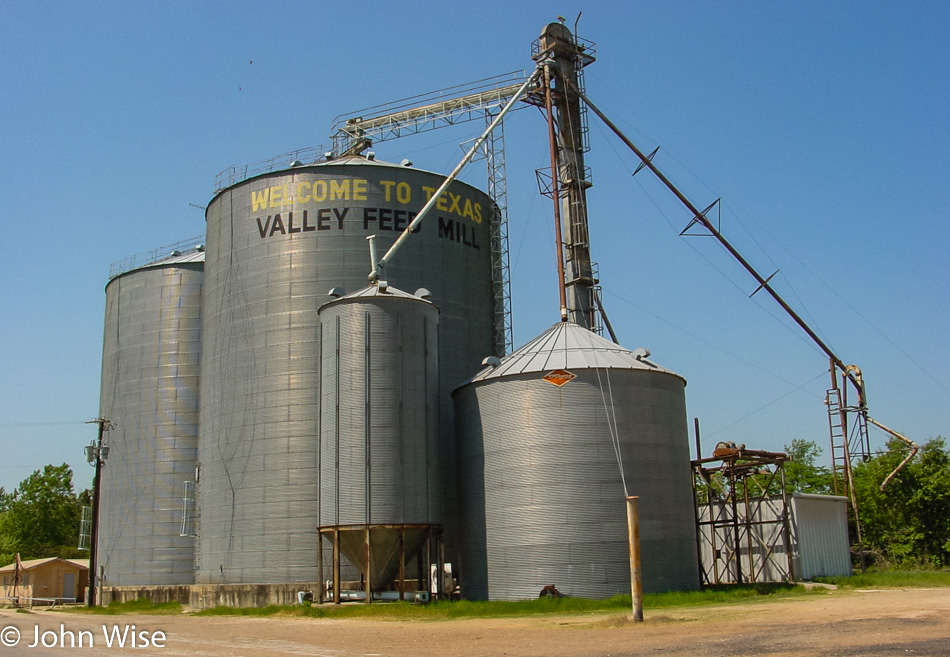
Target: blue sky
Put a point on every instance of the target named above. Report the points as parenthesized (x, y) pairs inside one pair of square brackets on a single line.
[(823, 127)]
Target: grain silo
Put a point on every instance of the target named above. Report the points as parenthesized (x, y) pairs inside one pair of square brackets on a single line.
[(542, 437), (379, 434), (276, 244), (150, 373)]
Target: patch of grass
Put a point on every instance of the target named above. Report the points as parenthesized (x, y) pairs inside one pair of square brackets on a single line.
[(723, 594), (484, 609), (892, 579), (500, 609), (432, 611), (270, 610), (140, 606), (714, 595)]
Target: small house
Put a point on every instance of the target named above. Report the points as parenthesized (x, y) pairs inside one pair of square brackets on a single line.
[(45, 581)]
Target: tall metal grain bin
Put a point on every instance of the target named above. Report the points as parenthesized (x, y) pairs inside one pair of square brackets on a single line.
[(150, 373), (541, 494), (276, 244), (379, 427)]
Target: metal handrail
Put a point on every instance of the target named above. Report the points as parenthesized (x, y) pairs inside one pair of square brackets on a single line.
[(155, 255)]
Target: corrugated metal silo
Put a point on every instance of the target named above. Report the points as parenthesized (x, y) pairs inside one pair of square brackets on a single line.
[(276, 244), (541, 495), (379, 428), (150, 374)]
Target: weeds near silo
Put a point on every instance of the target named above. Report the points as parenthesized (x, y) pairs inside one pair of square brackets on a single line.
[(501, 609), (892, 579), (140, 606), (619, 604)]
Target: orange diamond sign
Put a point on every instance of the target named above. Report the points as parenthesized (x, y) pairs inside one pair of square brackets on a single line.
[(559, 377)]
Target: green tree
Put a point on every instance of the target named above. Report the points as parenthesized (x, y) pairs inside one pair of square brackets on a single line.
[(41, 517), (909, 521), (802, 472)]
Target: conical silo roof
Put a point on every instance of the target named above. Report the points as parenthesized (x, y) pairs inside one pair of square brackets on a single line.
[(568, 346), (174, 258), (380, 291)]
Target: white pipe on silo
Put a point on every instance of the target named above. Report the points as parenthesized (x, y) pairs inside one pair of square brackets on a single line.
[(374, 275)]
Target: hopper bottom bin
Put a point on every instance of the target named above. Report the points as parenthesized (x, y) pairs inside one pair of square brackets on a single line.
[(394, 557)]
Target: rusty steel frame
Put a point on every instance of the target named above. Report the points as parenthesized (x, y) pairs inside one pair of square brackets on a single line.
[(564, 58), (746, 478), (556, 192)]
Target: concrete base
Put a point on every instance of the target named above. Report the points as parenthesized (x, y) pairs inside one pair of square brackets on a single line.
[(205, 596)]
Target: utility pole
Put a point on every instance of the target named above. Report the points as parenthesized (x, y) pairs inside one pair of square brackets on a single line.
[(96, 456), (636, 578)]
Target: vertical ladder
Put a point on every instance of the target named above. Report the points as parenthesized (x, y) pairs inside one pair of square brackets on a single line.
[(841, 456), (85, 528), (595, 292), (860, 444), (498, 226), (840, 449)]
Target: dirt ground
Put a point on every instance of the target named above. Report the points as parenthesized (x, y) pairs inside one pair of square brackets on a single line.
[(879, 622)]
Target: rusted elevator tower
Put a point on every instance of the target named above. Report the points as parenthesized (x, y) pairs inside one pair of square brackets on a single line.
[(566, 56)]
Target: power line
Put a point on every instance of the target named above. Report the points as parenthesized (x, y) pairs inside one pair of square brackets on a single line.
[(12, 425)]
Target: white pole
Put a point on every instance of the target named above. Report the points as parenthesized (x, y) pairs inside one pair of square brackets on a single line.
[(372, 251)]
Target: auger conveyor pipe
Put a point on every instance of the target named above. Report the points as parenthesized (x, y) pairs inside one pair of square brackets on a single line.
[(914, 448), (701, 218), (377, 269)]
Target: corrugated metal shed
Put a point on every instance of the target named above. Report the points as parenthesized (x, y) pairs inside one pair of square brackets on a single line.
[(818, 539), (820, 536)]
